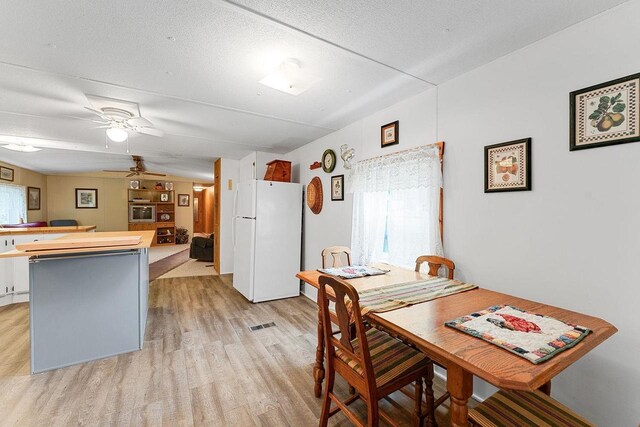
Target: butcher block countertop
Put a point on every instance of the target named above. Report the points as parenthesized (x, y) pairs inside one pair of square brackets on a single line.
[(146, 237), (47, 230)]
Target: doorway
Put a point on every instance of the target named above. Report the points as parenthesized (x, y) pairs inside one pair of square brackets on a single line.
[(203, 210)]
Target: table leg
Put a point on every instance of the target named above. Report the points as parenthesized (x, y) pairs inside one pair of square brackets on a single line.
[(546, 388), (460, 386), (318, 368)]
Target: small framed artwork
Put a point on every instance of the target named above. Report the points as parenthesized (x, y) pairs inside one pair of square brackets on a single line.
[(605, 114), (164, 197), (507, 166), (337, 187), (168, 186), (86, 198), (33, 198), (183, 199), (6, 173), (390, 134), (134, 185)]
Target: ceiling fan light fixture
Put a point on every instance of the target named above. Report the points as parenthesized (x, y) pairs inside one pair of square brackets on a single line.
[(117, 134), (22, 148)]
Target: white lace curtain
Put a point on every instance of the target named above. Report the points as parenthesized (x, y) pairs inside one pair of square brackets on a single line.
[(396, 202), (13, 204)]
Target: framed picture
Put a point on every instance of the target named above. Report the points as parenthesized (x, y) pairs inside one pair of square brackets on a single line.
[(86, 198), (390, 134), (6, 173), (605, 114), (168, 186), (183, 200), (33, 198), (337, 187), (507, 166), (134, 185), (164, 197)]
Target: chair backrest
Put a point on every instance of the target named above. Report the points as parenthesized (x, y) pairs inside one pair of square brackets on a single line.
[(336, 253), (346, 301), (435, 262), (63, 222)]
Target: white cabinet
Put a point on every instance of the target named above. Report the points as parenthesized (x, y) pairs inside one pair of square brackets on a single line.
[(14, 272)]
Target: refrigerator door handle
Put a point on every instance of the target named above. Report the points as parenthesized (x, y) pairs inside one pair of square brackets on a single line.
[(235, 203), (233, 232)]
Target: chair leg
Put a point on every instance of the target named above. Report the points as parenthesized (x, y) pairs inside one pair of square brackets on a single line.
[(373, 413), (326, 399), (431, 408), (418, 414)]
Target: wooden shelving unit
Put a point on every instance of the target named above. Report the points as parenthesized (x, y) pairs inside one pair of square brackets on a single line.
[(165, 221)]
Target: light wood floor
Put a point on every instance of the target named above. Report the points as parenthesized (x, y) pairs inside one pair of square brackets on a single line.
[(200, 366)]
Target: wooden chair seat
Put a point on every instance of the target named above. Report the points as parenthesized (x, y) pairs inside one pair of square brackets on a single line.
[(390, 357), (521, 408)]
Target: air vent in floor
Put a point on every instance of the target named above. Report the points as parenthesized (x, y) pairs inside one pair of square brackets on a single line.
[(263, 326)]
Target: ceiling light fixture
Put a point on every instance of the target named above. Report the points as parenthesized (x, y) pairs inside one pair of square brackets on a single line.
[(22, 148), (289, 79), (117, 134), (198, 188)]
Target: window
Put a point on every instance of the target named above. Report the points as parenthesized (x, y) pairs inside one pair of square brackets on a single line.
[(13, 204), (396, 202)]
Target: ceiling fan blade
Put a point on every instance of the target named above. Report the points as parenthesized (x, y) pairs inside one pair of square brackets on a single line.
[(101, 127), (131, 174), (139, 121), (107, 170), (99, 113), (154, 174), (149, 131)]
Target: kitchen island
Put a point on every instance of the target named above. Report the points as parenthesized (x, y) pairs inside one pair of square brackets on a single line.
[(14, 272), (86, 303)]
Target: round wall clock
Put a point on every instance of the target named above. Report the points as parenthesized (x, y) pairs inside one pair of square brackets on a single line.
[(314, 195), (328, 161)]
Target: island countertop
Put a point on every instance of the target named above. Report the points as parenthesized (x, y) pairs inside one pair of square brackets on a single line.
[(47, 230), (145, 242)]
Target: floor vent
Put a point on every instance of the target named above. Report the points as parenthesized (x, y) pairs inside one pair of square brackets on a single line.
[(263, 326)]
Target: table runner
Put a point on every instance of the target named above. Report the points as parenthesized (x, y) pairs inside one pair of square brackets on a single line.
[(353, 271), (533, 336), (400, 295)]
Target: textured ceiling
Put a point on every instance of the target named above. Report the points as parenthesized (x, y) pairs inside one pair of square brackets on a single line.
[(194, 66)]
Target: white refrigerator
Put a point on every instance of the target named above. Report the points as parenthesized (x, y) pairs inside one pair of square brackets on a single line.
[(267, 236)]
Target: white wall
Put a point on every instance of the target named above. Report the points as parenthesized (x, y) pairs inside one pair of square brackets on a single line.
[(332, 226), (574, 240), (229, 171)]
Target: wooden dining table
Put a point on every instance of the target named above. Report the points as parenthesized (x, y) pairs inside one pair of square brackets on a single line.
[(465, 356)]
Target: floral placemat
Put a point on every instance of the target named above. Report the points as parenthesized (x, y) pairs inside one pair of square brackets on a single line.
[(353, 271), (533, 336)]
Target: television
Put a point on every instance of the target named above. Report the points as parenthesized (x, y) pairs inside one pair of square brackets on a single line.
[(142, 213)]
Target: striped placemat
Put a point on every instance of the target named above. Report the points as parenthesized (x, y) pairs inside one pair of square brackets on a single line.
[(400, 295)]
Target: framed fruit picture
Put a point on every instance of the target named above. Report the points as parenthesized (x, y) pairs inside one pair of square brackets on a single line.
[(507, 166), (605, 114)]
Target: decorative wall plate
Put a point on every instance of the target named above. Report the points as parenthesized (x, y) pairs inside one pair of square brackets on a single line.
[(314, 195), (328, 161), (165, 217), (134, 185)]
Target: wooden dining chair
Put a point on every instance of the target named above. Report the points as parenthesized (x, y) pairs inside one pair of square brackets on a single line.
[(336, 253), (374, 363), (435, 262), (511, 408)]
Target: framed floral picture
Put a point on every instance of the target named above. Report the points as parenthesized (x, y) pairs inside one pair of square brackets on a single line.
[(183, 199), (86, 198), (507, 166), (390, 134), (33, 198), (337, 187), (605, 114)]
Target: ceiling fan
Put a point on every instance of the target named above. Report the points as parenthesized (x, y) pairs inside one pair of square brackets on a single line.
[(138, 169), (119, 123)]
